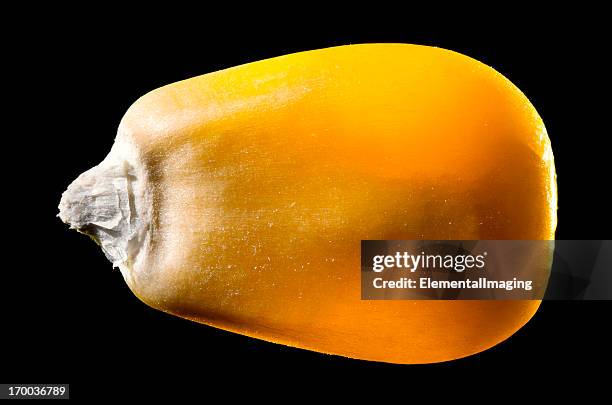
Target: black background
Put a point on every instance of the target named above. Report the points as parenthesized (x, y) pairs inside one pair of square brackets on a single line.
[(68, 317)]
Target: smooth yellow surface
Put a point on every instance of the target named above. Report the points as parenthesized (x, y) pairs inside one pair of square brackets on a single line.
[(265, 178)]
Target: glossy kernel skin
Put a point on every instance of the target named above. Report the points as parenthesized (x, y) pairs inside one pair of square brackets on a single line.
[(265, 178)]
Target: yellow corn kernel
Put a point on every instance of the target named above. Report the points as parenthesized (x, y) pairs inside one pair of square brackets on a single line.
[(238, 199)]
